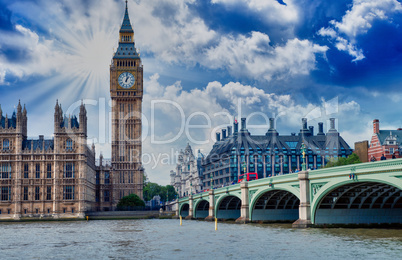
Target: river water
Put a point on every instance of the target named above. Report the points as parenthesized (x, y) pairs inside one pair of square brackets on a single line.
[(166, 239)]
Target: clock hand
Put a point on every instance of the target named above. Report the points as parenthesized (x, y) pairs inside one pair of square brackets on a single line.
[(126, 80)]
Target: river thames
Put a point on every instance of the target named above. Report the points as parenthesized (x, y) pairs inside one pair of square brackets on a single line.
[(166, 239)]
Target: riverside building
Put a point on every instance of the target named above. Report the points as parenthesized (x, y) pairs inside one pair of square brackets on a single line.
[(46, 177), (187, 177), (270, 154), (384, 143), (58, 177)]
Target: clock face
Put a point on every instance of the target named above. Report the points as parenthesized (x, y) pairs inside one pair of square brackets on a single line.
[(126, 80)]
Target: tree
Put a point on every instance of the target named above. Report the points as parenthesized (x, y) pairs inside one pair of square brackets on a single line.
[(152, 189), (351, 159), (131, 200), (172, 194)]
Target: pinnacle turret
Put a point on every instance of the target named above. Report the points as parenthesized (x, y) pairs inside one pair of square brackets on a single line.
[(126, 25), (19, 108)]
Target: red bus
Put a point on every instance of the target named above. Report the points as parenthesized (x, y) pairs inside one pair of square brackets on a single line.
[(250, 176)]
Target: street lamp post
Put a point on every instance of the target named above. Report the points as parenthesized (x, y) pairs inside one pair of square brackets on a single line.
[(211, 180), (303, 149), (245, 171)]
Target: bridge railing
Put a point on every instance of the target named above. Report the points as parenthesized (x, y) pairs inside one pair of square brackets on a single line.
[(359, 168), (368, 167)]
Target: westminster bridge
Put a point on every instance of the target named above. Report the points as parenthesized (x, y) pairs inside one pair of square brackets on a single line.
[(365, 193)]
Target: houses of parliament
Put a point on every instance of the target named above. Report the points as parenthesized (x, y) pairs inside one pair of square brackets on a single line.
[(59, 177)]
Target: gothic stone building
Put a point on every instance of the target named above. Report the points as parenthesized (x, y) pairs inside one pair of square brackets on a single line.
[(126, 92), (186, 179), (270, 154), (58, 177), (123, 174), (46, 177)]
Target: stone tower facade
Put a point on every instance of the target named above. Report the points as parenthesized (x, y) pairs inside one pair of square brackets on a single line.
[(187, 177), (126, 91), (46, 178)]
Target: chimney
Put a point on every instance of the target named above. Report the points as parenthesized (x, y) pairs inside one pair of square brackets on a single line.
[(332, 129), (218, 137), (243, 124), (304, 130), (41, 137), (271, 123), (304, 123), (320, 128), (223, 134), (235, 127), (332, 123), (376, 126), (293, 134), (229, 130), (311, 129), (271, 131)]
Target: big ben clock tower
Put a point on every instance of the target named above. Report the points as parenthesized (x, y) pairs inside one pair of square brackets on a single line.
[(126, 90)]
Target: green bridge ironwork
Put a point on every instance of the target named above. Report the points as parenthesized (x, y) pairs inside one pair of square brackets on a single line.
[(362, 193)]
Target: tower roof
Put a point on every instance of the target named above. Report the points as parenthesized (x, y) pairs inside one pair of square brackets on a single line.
[(126, 25)]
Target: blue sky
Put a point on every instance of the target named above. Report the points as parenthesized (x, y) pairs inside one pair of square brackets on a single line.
[(284, 59)]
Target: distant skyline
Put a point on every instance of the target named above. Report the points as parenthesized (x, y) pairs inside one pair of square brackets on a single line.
[(207, 59)]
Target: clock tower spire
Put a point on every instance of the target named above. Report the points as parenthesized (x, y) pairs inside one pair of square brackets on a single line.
[(126, 91)]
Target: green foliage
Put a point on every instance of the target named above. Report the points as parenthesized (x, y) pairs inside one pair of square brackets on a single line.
[(152, 189), (131, 200), (351, 159)]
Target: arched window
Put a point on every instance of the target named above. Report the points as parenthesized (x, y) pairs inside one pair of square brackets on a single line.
[(6, 144), (69, 144)]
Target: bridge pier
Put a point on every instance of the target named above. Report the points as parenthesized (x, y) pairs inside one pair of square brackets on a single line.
[(190, 211), (304, 220), (244, 210), (177, 209), (211, 210)]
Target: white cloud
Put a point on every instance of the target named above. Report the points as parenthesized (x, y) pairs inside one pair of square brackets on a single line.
[(344, 45), (81, 37), (327, 32), (254, 57), (171, 30), (40, 55), (185, 38), (357, 21), (269, 10)]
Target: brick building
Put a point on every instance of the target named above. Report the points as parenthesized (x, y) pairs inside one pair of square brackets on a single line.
[(361, 150), (385, 142)]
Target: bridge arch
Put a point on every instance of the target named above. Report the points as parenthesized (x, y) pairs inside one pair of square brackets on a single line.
[(367, 201), (184, 210), (201, 209), (228, 207), (275, 205)]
